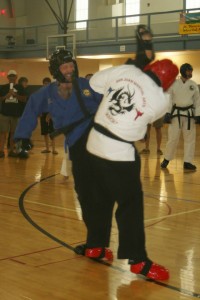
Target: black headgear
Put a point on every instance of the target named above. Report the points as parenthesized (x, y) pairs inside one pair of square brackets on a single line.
[(184, 68), (58, 58)]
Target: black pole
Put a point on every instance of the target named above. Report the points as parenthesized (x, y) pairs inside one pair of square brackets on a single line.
[(65, 21), (65, 16)]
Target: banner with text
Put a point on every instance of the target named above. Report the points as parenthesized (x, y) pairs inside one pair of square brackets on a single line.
[(189, 23)]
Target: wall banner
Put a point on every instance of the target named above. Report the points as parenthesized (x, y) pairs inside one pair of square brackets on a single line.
[(189, 23)]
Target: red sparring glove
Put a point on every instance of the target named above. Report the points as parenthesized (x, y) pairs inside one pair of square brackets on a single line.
[(165, 70)]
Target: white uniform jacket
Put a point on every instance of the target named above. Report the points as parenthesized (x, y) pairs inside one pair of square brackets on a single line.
[(184, 99), (131, 101)]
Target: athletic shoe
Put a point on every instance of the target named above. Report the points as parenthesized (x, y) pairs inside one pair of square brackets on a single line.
[(45, 151), (189, 166), (164, 163), (23, 154), (150, 270), (55, 152), (101, 253), (145, 151), (159, 152)]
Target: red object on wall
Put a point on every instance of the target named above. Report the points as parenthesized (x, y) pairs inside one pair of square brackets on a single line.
[(2, 73), (3, 11)]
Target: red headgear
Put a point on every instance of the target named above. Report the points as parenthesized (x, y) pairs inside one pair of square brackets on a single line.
[(165, 71)]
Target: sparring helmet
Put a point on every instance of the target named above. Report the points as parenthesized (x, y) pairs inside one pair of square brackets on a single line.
[(58, 58), (184, 68), (162, 71)]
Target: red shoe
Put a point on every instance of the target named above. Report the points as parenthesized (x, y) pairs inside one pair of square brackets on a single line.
[(103, 253), (151, 270)]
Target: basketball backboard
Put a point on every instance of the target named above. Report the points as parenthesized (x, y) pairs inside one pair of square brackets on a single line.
[(61, 41)]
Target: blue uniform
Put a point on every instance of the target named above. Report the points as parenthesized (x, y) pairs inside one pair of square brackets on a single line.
[(63, 112)]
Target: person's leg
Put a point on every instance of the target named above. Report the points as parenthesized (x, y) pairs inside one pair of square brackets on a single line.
[(130, 219), (147, 140), (174, 131), (8, 141), (129, 214), (117, 181), (82, 175), (101, 210), (189, 136), (50, 130), (12, 144), (158, 124), (84, 180), (159, 139), (64, 168), (46, 141), (4, 128), (13, 125), (121, 181), (44, 132), (148, 136), (54, 151), (2, 143)]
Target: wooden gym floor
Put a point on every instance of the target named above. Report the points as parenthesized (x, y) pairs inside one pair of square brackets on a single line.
[(40, 223)]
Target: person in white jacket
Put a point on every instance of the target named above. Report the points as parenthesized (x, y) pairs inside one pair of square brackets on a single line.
[(183, 114), (132, 99)]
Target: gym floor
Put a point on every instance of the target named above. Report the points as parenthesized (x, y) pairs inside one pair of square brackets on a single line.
[(40, 224)]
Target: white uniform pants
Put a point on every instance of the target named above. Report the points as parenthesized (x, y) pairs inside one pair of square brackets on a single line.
[(66, 166), (189, 136)]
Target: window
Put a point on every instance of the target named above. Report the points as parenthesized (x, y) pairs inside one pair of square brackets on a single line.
[(81, 13), (193, 4), (132, 8)]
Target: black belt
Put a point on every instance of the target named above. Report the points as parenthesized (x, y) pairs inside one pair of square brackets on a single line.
[(179, 108), (109, 134)]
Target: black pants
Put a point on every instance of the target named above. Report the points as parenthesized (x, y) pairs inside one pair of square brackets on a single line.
[(100, 184), (46, 127), (82, 176), (118, 182)]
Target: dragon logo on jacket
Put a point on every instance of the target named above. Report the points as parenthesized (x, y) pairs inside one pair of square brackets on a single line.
[(125, 99)]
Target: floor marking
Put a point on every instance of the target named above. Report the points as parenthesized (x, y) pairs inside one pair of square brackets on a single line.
[(30, 253), (174, 215), (162, 228), (34, 224), (74, 210), (9, 197), (43, 204), (53, 206)]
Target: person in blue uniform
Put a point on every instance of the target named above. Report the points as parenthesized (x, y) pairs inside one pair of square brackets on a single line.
[(72, 103)]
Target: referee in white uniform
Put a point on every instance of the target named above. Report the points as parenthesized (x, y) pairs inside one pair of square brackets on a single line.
[(182, 116)]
